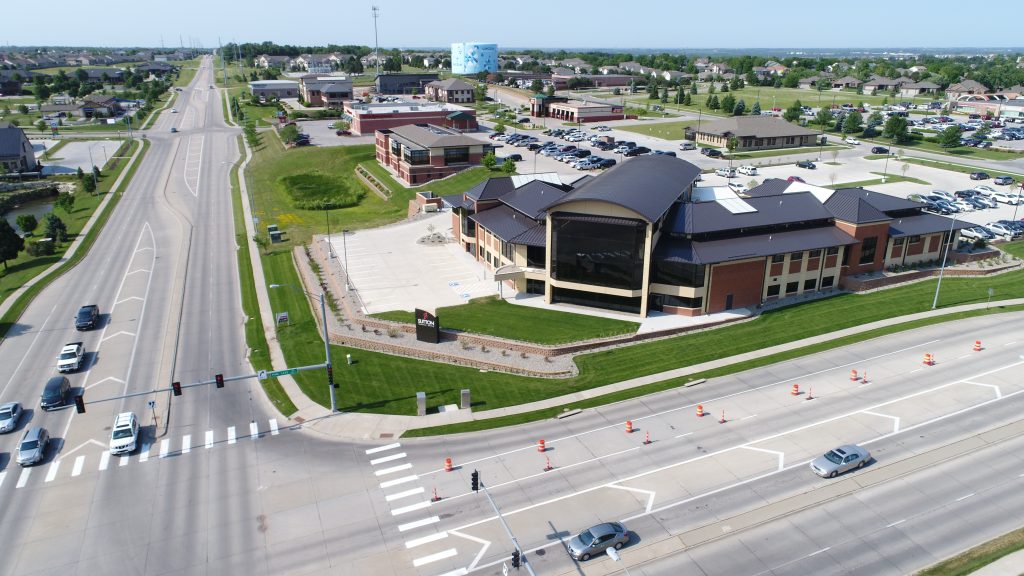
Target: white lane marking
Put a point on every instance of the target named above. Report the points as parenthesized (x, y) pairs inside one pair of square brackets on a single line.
[(76, 470), (254, 430), (405, 494), (895, 419), (384, 459), (23, 478), (650, 494), (826, 549), (104, 460), (411, 525), (51, 473), (459, 572), (751, 416), (144, 453), (129, 298), (425, 540), (411, 508), (398, 481), (231, 434), (999, 393), (965, 497), (138, 270), (434, 557), (1010, 343), (209, 439), (398, 468), (708, 401), (780, 454), (273, 427), (916, 370), (165, 447), (382, 448), (962, 357), (121, 333), (2, 476), (97, 383), (124, 460), (186, 443), (896, 523), (39, 332), (682, 435)]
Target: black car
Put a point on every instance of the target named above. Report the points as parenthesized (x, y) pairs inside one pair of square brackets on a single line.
[(806, 164), (979, 176), (54, 392), (969, 193), (87, 317), (533, 146), (711, 152), (606, 163), (936, 208), (879, 150), (637, 151), (581, 153), (514, 157)]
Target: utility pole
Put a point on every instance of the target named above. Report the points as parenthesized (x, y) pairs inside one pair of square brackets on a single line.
[(223, 66), (376, 47)]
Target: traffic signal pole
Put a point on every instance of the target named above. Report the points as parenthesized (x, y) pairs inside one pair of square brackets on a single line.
[(508, 531)]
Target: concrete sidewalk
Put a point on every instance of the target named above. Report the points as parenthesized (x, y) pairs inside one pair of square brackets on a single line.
[(1009, 565)]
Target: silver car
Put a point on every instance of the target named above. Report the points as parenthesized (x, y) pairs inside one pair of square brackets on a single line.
[(10, 413), (33, 446), (596, 539), (839, 460)]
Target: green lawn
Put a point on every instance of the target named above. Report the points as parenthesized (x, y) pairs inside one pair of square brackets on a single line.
[(523, 323), (889, 179), (964, 152), (977, 557), (768, 97), (665, 130), (452, 185), (945, 166), (783, 152)]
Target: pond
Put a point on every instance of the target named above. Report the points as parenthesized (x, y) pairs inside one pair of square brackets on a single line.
[(38, 208)]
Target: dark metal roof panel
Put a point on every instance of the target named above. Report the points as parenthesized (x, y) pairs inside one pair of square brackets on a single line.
[(503, 222), (536, 236), (703, 217), (924, 224), (647, 185), (770, 187), (681, 250), (879, 200), (491, 189), (532, 198), (854, 209)]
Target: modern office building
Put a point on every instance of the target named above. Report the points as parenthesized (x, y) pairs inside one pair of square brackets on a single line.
[(326, 91), (577, 110), (368, 118), (403, 83), (643, 236), (474, 57), (419, 153), (275, 88)]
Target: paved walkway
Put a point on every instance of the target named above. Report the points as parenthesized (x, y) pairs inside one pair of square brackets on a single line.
[(1009, 565)]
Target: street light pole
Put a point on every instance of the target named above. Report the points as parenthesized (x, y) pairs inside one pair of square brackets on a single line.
[(330, 247), (344, 249), (942, 268), (327, 343)]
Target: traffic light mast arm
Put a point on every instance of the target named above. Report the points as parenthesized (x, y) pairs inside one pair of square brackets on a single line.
[(508, 530)]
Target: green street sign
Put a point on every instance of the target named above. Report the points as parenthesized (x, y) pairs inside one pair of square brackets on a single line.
[(286, 372)]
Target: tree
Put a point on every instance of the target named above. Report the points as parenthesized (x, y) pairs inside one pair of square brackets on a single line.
[(686, 99), (499, 127), (65, 201), (489, 161), (712, 102), (854, 123), (10, 242), (731, 144), (896, 128), (54, 227), (89, 185), (41, 125), (693, 88), (792, 114), (739, 108), (508, 167), (262, 241), (79, 173), (755, 110), (728, 103), (711, 88), (664, 95), (27, 223), (536, 86), (550, 90), (950, 137), (616, 91), (22, 109), (823, 117)]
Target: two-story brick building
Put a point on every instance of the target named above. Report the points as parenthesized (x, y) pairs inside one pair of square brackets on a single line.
[(419, 153)]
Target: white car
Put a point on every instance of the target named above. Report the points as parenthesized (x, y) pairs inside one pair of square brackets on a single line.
[(944, 195), (852, 141), (1005, 198), (174, 110), (963, 206), (125, 433), (738, 188), (985, 190), (1001, 231), (726, 172), (748, 170)]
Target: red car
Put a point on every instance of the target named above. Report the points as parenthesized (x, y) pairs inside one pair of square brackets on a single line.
[(796, 179)]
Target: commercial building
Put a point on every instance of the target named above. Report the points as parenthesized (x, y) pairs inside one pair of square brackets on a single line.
[(275, 88), (419, 153), (367, 118), (16, 154), (567, 110), (474, 57), (450, 90), (644, 237), (403, 83), (326, 91), (755, 133)]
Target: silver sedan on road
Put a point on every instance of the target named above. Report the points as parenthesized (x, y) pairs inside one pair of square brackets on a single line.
[(839, 460), (596, 539), (10, 413)]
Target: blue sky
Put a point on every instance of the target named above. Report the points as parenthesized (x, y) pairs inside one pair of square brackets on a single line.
[(531, 23)]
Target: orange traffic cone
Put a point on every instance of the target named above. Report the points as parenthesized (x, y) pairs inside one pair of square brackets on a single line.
[(647, 438), (540, 446), (977, 345), (629, 426), (853, 376), (722, 419), (700, 410), (547, 464), (447, 464), (796, 390), (810, 394)]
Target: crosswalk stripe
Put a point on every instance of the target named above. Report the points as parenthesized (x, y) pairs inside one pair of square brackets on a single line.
[(425, 540), (209, 439), (411, 508), (76, 470), (388, 458), (382, 448), (144, 453), (457, 572), (51, 473), (273, 427), (398, 468), (419, 523), (124, 460), (254, 430), (434, 557), (405, 494), (186, 443), (104, 460), (398, 481), (23, 478), (165, 447), (231, 434)]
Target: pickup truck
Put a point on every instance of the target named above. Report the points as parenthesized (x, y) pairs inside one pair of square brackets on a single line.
[(86, 317), (70, 358)]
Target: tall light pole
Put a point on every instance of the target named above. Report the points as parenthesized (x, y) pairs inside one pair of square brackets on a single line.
[(344, 249), (330, 248), (327, 343), (376, 49), (942, 268)]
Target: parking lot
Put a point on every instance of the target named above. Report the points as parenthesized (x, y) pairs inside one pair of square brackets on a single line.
[(74, 155), (321, 134)]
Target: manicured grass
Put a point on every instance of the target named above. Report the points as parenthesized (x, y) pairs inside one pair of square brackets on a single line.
[(768, 97), (889, 179), (265, 114), (963, 169), (522, 322), (318, 191), (12, 279), (964, 152), (259, 353), (977, 557), (784, 152), (666, 130), (454, 184)]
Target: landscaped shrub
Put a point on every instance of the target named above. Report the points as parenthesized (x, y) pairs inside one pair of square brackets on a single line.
[(316, 191)]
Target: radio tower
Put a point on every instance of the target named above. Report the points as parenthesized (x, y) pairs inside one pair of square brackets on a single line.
[(376, 48)]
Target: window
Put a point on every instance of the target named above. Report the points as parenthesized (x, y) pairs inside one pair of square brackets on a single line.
[(456, 156), (773, 290), (809, 284), (814, 254), (792, 287), (867, 250), (677, 301), (778, 258), (508, 250), (536, 257), (534, 286), (826, 282), (796, 256), (678, 273), (599, 251), (915, 239), (595, 300), (416, 157), (480, 249), (831, 250)]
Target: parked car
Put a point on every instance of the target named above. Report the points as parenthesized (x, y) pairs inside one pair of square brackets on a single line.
[(979, 176), (10, 414), (748, 170), (977, 233), (839, 460), (725, 172), (343, 132), (32, 447), (595, 540), (806, 164), (981, 202), (687, 146), (935, 208), (1002, 231), (606, 163), (664, 153), (985, 190), (514, 157), (711, 152), (879, 150), (1013, 199), (639, 150), (796, 179), (852, 141), (963, 205), (533, 147), (1003, 180), (738, 188), (944, 195)]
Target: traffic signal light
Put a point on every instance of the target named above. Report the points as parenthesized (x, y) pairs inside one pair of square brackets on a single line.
[(80, 404), (220, 380), (176, 386), (474, 481), (330, 377), (515, 559)]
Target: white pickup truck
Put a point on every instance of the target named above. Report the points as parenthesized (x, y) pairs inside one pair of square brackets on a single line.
[(70, 357)]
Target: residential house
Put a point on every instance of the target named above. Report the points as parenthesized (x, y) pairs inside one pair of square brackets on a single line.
[(420, 153), (100, 106), (845, 82), (104, 75), (755, 133), (450, 90), (157, 69), (719, 68), (608, 69), (563, 71), (701, 64), (812, 81), (880, 84), (632, 67), (16, 154), (675, 76), (966, 87), (578, 65), (269, 61), (913, 89)]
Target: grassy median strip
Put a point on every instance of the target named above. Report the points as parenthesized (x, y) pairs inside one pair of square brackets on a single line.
[(884, 179), (952, 167), (36, 266), (978, 557)]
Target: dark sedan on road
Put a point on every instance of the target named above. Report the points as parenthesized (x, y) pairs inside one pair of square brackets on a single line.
[(879, 150), (806, 164)]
